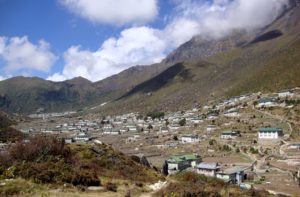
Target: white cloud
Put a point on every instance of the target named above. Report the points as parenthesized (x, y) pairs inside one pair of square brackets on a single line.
[(116, 12), (2, 78), (221, 17), (146, 45), (19, 54), (140, 45)]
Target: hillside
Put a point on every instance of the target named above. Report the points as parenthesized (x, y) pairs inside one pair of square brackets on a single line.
[(267, 62), (201, 69), (200, 47), (32, 94), (47, 161)]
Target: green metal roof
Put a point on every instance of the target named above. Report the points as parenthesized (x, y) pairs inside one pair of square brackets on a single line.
[(229, 133), (190, 135), (270, 130)]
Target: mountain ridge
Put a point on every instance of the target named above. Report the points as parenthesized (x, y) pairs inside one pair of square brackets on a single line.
[(223, 67)]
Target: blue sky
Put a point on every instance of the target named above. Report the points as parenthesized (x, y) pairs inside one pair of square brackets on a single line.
[(62, 39)]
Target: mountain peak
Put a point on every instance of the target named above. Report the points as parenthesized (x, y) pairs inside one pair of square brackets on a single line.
[(79, 80)]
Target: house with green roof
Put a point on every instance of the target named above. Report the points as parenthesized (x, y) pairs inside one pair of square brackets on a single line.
[(269, 133), (178, 163)]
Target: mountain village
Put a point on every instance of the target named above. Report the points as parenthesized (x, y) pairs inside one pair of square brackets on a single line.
[(252, 140)]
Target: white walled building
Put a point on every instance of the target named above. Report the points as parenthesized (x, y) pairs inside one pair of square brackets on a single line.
[(230, 135), (190, 139), (207, 169), (285, 93), (267, 102), (269, 133), (210, 128)]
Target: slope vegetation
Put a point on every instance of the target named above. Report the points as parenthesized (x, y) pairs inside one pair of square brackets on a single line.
[(268, 62)]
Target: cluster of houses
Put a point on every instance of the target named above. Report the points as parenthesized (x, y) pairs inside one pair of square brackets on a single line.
[(171, 122), (193, 162), (267, 133)]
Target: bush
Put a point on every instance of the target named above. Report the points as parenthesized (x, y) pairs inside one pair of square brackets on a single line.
[(38, 147), (139, 184), (136, 159), (86, 178), (182, 122), (156, 114), (226, 148), (9, 134), (175, 138), (211, 142), (253, 150), (111, 187)]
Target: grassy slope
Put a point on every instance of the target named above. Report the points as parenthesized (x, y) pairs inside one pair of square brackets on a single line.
[(265, 66), (270, 63), (46, 160)]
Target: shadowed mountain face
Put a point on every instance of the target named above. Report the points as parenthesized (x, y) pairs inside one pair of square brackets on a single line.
[(267, 36), (242, 62), (157, 82)]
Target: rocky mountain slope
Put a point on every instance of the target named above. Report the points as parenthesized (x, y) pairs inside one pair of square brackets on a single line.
[(267, 62)]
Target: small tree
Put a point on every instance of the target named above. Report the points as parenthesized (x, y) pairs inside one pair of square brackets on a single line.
[(182, 122), (175, 138), (150, 126)]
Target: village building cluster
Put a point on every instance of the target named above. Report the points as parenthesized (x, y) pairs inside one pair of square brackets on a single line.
[(197, 139)]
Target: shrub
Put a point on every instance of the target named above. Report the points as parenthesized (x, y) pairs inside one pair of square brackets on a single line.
[(38, 147), (175, 138), (156, 114), (136, 159), (139, 184), (86, 178), (182, 122), (226, 148), (111, 187), (253, 150), (211, 142), (9, 134)]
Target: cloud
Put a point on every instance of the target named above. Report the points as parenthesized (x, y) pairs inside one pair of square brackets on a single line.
[(115, 12), (3, 78), (138, 45), (220, 17), (146, 45), (19, 54)]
